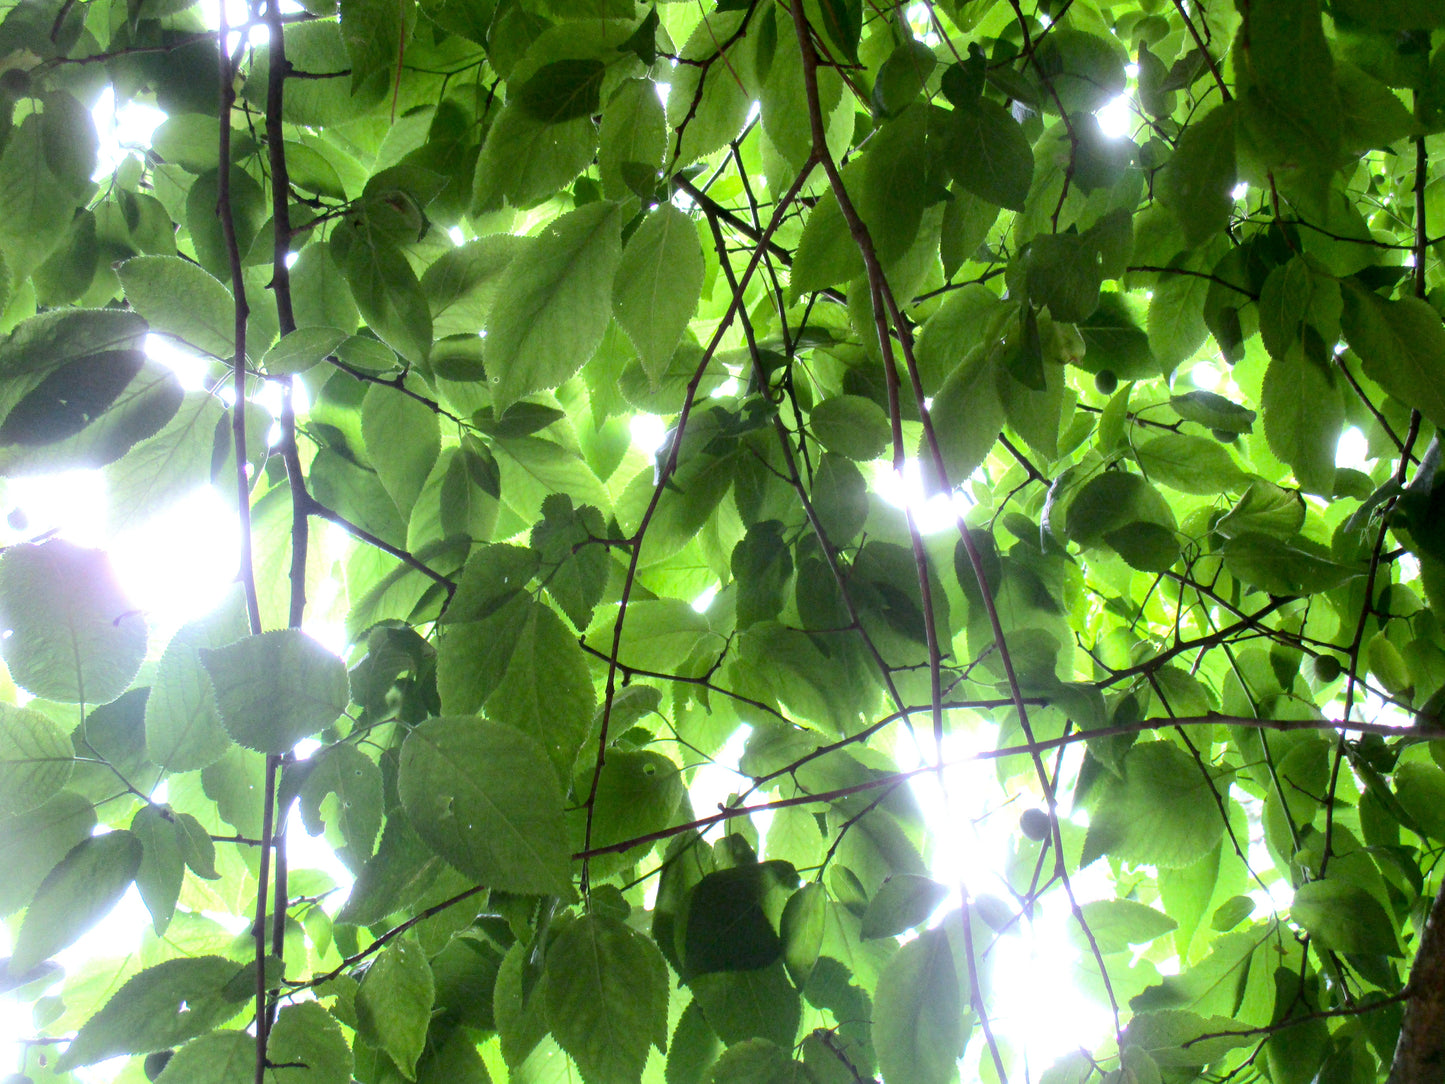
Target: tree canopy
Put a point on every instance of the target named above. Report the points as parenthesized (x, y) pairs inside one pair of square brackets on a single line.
[(997, 438)]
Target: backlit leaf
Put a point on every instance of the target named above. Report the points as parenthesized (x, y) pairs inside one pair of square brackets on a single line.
[(70, 632), (553, 303), (486, 798), (274, 689)]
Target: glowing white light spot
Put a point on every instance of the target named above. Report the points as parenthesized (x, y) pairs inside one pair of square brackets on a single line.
[(291, 258), (1239, 191), (457, 236), (329, 634), (704, 600), (726, 388), (190, 369), (648, 433), (181, 562), (1206, 377), (1409, 566), (1353, 450), (1116, 118), (716, 780), (307, 852), (1131, 70), (932, 512), (238, 15), (71, 503), (121, 130)]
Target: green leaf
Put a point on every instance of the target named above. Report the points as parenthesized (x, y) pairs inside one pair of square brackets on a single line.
[(710, 96), (760, 1003), (562, 90), (546, 691), (638, 793), (657, 285), (902, 903), (375, 32), (1281, 568), (36, 759), (1346, 916), (577, 565), (761, 565), (1290, 103), (162, 1007), (176, 296), (918, 1015), (1197, 183), (1392, 14), (851, 425), (274, 689), (386, 290), (70, 397), (394, 1003), (162, 867), (1190, 464), (1161, 811), (33, 843), (901, 77), (217, 1057), (1125, 512), (343, 788), (1213, 411), (403, 439), (606, 997), (724, 926), (894, 174), (1402, 347), (1421, 790), (1174, 1038), (461, 284), (1303, 415), (1176, 318), (525, 160), (656, 634), (827, 253), (553, 303), (485, 797), (802, 929), (783, 102), (632, 141), (1371, 114), (39, 209), (75, 895), (301, 350), (757, 1061), (183, 728), (70, 633), (1117, 924), (989, 155), (843, 21), (840, 498)]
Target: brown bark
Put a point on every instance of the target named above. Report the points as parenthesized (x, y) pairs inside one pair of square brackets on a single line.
[(1420, 1052)]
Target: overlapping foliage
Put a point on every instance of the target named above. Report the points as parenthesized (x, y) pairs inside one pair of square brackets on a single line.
[(834, 244)]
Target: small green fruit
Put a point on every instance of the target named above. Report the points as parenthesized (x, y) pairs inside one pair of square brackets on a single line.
[(1327, 667), (1106, 382), (1224, 436), (1035, 824)]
